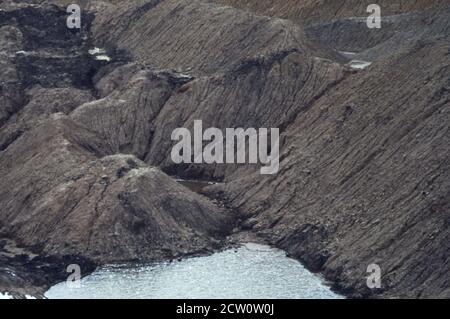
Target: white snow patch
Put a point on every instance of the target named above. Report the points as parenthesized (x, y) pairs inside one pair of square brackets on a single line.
[(99, 54), (359, 65), (5, 296), (96, 50), (184, 76), (103, 58)]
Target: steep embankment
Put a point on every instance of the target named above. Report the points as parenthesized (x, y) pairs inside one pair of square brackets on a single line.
[(240, 70), (64, 195), (365, 170), (64, 191), (364, 165), (314, 11), (365, 180), (341, 25)]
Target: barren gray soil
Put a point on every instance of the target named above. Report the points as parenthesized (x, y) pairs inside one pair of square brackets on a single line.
[(85, 170)]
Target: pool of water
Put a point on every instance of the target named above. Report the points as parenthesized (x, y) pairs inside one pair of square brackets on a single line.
[(251, 271)]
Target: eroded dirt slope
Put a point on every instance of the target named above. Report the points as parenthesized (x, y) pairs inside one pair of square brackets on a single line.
[(365, 179), (365, 158)]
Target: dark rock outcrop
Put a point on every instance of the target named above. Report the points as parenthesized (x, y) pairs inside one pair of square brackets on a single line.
[(27, 275)]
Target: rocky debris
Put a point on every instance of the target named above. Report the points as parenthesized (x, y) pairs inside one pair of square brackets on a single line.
[(268, 91), (109, 209), (42, 103), (143, 99), (364, 180), (398, 33), (30, 57), (63, 197), (363, 176), (315, 11), (51, 61), (125, 117), (138, 116), (27, 275), (193, 36), (341, 26)]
